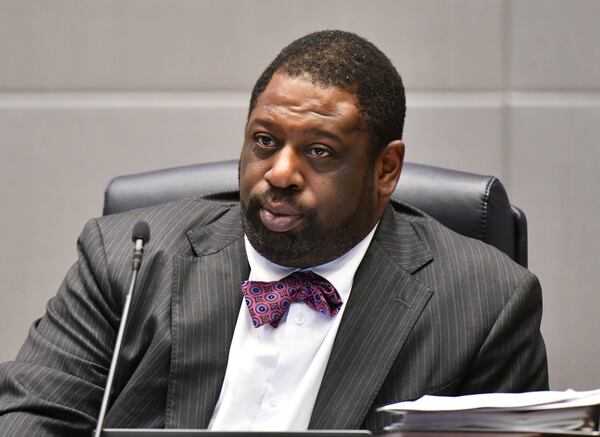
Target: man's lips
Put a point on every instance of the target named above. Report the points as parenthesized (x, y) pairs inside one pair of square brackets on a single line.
[(279, 217)]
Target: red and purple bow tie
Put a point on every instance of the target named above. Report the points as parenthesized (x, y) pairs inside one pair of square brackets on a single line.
[(269, 301)]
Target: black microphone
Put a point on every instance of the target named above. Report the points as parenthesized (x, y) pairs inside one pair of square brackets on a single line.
[(140, 236)]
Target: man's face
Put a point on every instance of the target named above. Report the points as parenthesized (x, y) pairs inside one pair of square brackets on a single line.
[(307, 183)]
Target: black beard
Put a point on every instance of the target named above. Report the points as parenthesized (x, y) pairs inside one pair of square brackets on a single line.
[(312, 245)]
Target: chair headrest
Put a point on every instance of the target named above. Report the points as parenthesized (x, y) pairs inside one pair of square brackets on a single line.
[(473, 205)]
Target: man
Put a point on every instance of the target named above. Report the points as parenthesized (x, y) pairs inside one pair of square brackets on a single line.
[(405, 307)]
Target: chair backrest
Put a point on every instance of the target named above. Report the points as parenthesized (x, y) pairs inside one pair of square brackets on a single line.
[(473, 205)]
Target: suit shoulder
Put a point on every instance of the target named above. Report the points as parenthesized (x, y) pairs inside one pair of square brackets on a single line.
[(462, 253), (168, 222)]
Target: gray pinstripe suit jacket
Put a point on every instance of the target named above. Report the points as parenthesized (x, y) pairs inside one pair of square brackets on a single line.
[(430, 312)]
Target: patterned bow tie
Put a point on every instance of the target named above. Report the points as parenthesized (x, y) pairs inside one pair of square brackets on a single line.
[(269, 301)]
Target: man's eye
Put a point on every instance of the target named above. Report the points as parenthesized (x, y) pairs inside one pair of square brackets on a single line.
[(264, 141), (319, 152)]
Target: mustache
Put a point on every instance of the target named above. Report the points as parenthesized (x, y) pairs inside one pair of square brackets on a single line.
[(277, 195), (280, 195)]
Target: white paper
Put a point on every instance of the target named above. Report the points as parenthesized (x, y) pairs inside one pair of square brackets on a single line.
[(542, 411), (507, 401)]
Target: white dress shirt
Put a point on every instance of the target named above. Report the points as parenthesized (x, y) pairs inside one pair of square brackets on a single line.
[(273, 375)]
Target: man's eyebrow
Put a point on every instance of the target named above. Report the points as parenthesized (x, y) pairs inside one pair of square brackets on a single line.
[(263, 122), (324, 133), (312, 131)]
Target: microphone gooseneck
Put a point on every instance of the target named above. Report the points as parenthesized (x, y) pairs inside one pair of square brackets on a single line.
[(140, 236)]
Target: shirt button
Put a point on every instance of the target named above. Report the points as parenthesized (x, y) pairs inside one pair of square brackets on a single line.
[(300, 319), (273, 401)]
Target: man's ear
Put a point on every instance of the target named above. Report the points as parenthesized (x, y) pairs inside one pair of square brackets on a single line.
[(389, 166)]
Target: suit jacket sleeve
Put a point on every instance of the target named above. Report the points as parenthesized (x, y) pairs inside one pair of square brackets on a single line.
[(513, 357), (55, 385)]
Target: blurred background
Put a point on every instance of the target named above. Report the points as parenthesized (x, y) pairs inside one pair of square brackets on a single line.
[(92, 89)]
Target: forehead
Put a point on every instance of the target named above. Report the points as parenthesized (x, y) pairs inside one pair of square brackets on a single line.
[(297, 99)]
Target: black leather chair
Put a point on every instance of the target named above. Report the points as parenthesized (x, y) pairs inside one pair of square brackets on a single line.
[(473, 205)]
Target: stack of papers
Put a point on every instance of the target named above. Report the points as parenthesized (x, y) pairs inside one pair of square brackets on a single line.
[(535, 411)]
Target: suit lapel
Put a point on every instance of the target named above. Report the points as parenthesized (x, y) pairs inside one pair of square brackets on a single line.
[(204, 285), (384, 305)]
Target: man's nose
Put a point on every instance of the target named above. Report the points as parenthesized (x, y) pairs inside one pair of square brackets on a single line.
[(286, 170)]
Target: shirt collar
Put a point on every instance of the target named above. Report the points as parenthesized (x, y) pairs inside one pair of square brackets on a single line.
[(340, 272)]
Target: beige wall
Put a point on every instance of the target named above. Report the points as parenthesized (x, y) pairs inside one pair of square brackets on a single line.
[(91, 89)]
